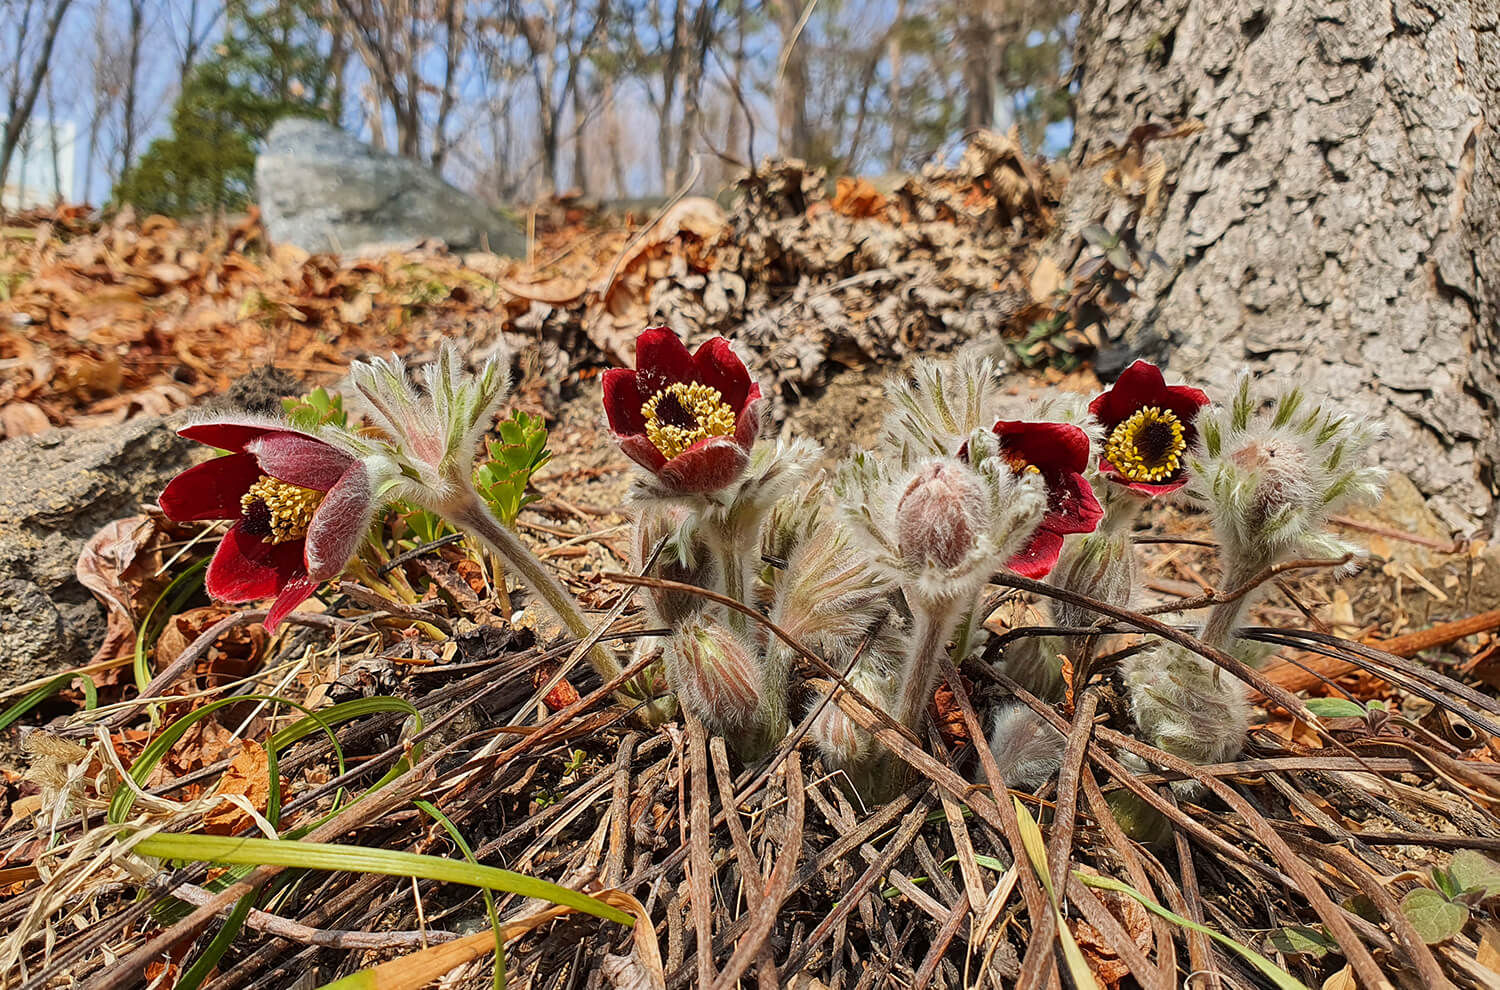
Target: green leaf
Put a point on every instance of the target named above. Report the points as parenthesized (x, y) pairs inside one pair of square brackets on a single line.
[(1036, 851), (1270, 970), (1099, 236), (1335, 708), (175, 595), (489, 899), (1301, 940), (38, 695), (1434, 916), (223, 938), (1472, 871), (361, 859)]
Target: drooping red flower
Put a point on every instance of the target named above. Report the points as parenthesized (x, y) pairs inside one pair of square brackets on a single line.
[(300, 507), (1148, 429), (1060, 453), (689, 419)]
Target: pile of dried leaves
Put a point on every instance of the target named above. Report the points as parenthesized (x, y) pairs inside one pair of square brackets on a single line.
[(100, 320)]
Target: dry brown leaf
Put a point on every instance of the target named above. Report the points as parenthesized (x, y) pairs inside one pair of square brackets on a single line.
[(1342, 980), (106, 567), (1046, 279), (249, 775), (234, 655), (857, 198), (23, 419)]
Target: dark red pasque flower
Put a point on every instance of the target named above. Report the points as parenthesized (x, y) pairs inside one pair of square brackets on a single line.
[(300, 508), (1060, 453), (1148, 429), (689, 419)]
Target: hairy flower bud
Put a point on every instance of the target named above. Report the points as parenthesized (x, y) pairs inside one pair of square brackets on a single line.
[(940, 515), (683, 559), (715, 676)]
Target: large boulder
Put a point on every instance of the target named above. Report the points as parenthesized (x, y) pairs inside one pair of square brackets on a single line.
[(325, 191), (56, 490)]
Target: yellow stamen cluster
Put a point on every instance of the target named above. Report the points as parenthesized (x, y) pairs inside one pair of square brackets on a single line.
[(286, 510), (1019, 465), (1148, 446), (710, 414)]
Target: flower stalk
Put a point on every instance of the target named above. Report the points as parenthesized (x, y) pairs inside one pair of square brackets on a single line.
[(473, 516)]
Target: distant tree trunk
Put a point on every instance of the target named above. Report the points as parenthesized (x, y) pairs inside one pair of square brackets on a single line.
[(612, 133), (978, 44), (132, 84), (1332, 224), (794, 130), (894, 90), (692, 85), (453, 35), (26, 83)]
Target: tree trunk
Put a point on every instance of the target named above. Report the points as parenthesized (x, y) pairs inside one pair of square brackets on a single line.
[(1332, 224), (794, 128), (22, 98), (132, 82)]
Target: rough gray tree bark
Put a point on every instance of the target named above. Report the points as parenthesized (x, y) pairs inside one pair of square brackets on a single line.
[(1336, 222)]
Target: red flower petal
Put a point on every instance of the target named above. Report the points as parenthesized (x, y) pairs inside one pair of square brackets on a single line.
[(1142, 385), (706, 466), (1039, 556), (225, 436), (643, 452), (245, 568), (298, 459), (660, 360), (1072, 506), (297, 591), (623, 401), (1055, 447), (210, 490), (1144, 487), (747, 421), (338, 526), (718, 367)]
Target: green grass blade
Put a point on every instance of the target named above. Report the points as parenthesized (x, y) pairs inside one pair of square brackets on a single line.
[(175, 594), (1036, 851), (204, 964), (12, 714), (489, 899), (360, 859), (1270, 970)]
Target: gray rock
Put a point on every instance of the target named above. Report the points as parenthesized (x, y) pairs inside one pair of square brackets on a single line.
[(56, 490), (325, 191)]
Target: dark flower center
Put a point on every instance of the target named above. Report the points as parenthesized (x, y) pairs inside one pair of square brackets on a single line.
[(1147, 447), (1157, 439), (682, 414), (278, 511), (257, 515)]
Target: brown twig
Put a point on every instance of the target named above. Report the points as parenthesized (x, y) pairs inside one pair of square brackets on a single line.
[(1223, 597)]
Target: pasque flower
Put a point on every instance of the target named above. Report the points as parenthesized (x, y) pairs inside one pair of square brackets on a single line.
[(1148, 429), (1059, 452), (689, 419), (300, 508)]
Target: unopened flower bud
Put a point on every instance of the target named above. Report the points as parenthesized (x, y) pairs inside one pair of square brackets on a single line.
[(940, 515), (682, 559), (715, 675)]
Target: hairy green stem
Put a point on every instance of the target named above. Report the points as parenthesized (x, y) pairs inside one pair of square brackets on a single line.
[(474, 517), (932, 624)]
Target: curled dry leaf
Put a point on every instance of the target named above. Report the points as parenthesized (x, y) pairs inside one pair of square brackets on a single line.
[(233, 655), (249, 776), (117, 565)]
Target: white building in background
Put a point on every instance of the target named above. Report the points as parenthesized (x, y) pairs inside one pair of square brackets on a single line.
[(32, 179)]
